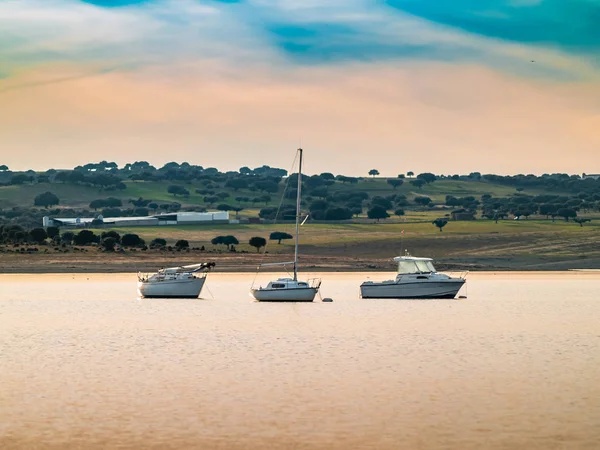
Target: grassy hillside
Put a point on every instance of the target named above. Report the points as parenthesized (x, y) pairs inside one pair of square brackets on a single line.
[(478, 245), (485, 238), (79, 196)]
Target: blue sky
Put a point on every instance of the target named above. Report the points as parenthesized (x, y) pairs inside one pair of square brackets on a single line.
[(309, 32), (547, 49)]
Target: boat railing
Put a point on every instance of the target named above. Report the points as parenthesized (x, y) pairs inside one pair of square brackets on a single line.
[(456, 274), (314, 283)]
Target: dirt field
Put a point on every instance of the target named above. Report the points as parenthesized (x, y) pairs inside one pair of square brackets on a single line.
[(462, 246)]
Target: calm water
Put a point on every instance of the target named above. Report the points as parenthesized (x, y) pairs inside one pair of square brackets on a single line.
[(86, 364)]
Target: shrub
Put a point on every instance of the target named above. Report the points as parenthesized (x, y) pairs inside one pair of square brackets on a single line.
[(38, 235), (108, 243), (113, 234), (158, 242), (85, 237), (132, 240), (52, 232), (181, 244)]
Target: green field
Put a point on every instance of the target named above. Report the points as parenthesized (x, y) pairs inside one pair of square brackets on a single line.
[(485, 238), (80, 196), (535, 239)]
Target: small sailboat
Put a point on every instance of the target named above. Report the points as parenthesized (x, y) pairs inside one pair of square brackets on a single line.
[(289, 289), (175, 282)]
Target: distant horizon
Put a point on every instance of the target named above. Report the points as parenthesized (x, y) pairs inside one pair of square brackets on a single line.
[(305, 172)]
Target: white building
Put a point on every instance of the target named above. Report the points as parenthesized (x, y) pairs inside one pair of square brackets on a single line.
[(179, 218)]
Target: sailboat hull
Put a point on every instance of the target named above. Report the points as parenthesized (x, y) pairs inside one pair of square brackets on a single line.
[(189, 288), (284, 295)]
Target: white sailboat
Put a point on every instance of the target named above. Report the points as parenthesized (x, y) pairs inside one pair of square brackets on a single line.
[(289, 289), (174, 282)]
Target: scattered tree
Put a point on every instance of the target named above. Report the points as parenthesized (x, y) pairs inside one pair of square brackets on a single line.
[(211, 200), (46, 200), (257, 242), (581, 221), (567, 213), (427, 177), (38, 235), (418, 183), (395, 182), (377, 212), (499, 215), (382, 201), (230, 241), (279, 236), (373, 172), (440, 223), (178, 190), (424, 201), (336, 213)]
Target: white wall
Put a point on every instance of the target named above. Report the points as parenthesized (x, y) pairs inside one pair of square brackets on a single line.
[(202, 217)]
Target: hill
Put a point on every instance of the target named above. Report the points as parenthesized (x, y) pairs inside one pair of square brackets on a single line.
[(355, 222)]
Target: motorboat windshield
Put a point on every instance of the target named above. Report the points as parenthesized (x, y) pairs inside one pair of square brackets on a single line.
[(407, 267)]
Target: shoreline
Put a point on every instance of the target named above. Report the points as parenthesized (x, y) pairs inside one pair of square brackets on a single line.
[(247, 263)]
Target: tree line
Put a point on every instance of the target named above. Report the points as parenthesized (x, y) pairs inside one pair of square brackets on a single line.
[(110, 240)]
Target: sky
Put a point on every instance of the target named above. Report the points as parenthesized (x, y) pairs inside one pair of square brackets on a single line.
[(495, 86)]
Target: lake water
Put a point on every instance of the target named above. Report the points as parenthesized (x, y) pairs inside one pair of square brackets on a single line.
[(86, 364)]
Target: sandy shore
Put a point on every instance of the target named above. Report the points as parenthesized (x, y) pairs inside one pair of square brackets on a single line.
[(100, 262)]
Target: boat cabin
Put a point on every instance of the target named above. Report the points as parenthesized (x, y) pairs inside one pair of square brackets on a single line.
[(287, 283), (410, 265)]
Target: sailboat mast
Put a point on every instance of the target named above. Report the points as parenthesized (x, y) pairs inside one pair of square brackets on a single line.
[(298, 195)]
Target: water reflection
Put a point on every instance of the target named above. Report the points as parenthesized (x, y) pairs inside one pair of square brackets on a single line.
[(87, 364)]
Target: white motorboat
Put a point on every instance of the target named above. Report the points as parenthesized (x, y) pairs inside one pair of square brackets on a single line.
[(416, 279), (289, 289), (174, 282)]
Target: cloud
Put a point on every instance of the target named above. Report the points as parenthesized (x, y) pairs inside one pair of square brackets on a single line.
[(270, 32), (115, 3), (243, 80), (568, 25)]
